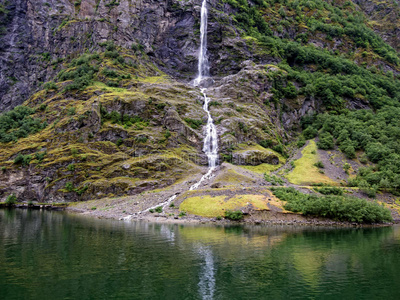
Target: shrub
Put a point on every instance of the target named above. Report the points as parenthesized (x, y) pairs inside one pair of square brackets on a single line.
[(310, 133), (69, 186), (195, 124), (40, 155), (337, 207), (18, 123), (182, 213), (266, 143), (325, 141), (71, 167), (329, 190), (50, 86), (23, 160), (301, 142), (319, 164), (11, 200), (274, 180), (119, 142), (234, 215), (159, 209), (279, 148), (167, 134), (82, 190)]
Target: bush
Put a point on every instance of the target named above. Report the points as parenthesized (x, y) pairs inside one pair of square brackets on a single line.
[(266, 143), (329, 190), (274, 180), (40, 156), (119, 142), (18, 123), (159, 209), (23, 160), (319, 164), (342, 208), (11, 200), (325, 141), (69, 186), (234, 215), (280, 149), (50, 86), (301, 142), (195, 124), (310, 133)]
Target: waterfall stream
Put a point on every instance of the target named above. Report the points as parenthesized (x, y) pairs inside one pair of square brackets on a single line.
[(210, 146)]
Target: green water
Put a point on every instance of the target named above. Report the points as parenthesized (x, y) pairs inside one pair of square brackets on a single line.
[(51, 255)]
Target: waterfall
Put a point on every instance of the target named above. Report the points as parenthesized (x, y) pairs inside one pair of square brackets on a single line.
[(210, 146), (203, 67)]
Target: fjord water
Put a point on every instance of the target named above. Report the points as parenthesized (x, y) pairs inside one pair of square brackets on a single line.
[(53, 255)]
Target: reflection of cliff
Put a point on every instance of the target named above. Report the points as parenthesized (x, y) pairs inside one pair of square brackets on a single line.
[(90, 258)]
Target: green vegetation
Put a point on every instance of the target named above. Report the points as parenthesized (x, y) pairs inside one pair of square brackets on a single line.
[(18, 123), (342, 208), (327, 190), (377, 134), (319, 164), (23, 160), (11, 200), (305, 171), (234, 215), (159, 209), (195, 124), (274, 180), (81, 71), (127, 121), (333, 78)]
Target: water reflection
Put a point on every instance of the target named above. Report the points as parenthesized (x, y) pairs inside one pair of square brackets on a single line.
[(47, 255)]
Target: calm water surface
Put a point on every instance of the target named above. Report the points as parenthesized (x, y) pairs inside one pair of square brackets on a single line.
[(52, 255)]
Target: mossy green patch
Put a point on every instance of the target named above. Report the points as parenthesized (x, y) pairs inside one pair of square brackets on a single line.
[(214, 206), (305, 172)]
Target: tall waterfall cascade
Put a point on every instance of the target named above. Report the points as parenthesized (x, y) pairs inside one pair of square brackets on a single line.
[(210, 146), (203, 66)]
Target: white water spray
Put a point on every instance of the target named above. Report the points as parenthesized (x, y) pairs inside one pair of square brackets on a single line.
[(203, 66), (210, 146)]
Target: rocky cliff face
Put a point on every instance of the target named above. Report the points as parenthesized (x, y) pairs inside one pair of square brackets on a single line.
[(122, 116), (36, 36)]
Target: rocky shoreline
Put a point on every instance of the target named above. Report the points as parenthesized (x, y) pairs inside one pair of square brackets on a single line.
[(274, 219)]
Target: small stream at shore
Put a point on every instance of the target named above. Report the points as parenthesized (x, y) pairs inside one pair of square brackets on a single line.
[(56, 255)]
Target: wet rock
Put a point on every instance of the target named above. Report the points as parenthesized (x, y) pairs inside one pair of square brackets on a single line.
[(254, 158)]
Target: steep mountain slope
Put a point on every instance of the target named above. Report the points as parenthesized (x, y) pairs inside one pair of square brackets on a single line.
[(109, 109)]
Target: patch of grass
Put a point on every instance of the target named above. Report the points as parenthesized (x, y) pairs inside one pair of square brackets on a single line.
[(209, 206), (305, 171)]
